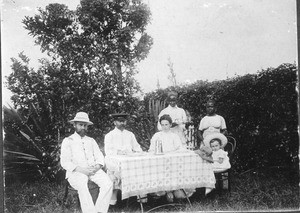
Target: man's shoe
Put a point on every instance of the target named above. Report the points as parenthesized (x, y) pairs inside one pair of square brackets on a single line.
[(112, 202), (144, 200)]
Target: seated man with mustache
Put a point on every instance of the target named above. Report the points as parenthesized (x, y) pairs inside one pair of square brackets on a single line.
[(120, 141)]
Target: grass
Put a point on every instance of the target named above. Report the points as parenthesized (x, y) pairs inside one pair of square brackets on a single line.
[(253, 191)]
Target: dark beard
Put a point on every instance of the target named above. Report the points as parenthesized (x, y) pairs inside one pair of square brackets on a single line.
[(121, 127), (82, 133)]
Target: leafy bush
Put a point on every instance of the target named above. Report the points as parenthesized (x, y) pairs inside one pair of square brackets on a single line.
[(31, 148), (93, 50)]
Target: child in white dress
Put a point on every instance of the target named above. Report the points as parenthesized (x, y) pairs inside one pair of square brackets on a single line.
[(220, 157)]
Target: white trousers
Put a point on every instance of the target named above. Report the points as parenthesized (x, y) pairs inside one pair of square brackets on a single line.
[(79, 182)]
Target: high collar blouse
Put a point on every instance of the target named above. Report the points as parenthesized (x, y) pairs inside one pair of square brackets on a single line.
[(170, 142)]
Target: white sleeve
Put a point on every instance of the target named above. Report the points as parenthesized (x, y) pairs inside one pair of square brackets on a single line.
[(201, 125), (135, 145), (152, 143), (66, 156), (223, 123), (109, 147), (99, 158)]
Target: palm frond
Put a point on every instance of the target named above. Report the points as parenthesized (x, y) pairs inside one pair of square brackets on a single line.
[(32, 142), (34, 118), (20, 153), (23, 156), (12, 113)]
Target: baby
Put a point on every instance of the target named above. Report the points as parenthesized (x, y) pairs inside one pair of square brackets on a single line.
[(220, 157)]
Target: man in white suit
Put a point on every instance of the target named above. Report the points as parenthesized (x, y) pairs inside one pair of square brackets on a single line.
[(83, 161)]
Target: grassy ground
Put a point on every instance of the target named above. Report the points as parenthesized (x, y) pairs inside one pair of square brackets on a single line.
[(260, 190)]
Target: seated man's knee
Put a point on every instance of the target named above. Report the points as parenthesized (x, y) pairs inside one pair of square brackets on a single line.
[(78, 181), (103, 181), (109, 183)]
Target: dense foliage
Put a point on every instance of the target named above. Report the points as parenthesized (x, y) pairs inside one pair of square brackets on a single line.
[(260, 111), (93, 51), (30, 150)]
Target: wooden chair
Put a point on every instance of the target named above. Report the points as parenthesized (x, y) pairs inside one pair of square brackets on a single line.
[(223, 178), (93, 188), (191, 137)]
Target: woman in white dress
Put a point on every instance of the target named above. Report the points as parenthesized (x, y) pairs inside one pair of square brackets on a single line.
[(170, 142)]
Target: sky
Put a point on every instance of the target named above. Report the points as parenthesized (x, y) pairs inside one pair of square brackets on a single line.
[(204, 39)]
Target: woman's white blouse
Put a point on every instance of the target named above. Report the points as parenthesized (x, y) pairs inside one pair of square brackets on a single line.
[(170, 142)]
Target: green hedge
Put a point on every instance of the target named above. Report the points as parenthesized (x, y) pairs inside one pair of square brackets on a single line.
[(260, 112)]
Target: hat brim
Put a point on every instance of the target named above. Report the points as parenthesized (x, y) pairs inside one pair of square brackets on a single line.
[(119, 115), (172, 99), (218, 135), (81, 120)]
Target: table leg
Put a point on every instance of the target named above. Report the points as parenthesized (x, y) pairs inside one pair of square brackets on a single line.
[(141, 204), (187, 197), (171, 204)]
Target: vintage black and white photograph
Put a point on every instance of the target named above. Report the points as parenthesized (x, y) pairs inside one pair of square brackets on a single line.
[(150, 106)]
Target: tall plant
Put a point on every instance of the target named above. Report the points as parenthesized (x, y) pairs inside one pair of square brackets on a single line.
[(30, 150), (93, 52)]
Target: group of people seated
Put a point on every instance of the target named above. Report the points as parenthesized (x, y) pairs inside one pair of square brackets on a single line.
[(83, 160)]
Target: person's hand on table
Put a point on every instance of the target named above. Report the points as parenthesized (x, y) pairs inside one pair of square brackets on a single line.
[(123, 152), (136, 153), (183, 150)]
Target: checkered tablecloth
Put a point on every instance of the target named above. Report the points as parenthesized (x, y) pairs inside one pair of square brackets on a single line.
[(152, 173)]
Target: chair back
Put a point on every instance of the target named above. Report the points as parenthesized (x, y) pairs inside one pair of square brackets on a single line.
[(191, 137), (230, 146)]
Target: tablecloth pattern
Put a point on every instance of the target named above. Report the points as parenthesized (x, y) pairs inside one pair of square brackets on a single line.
[(152, 173)]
